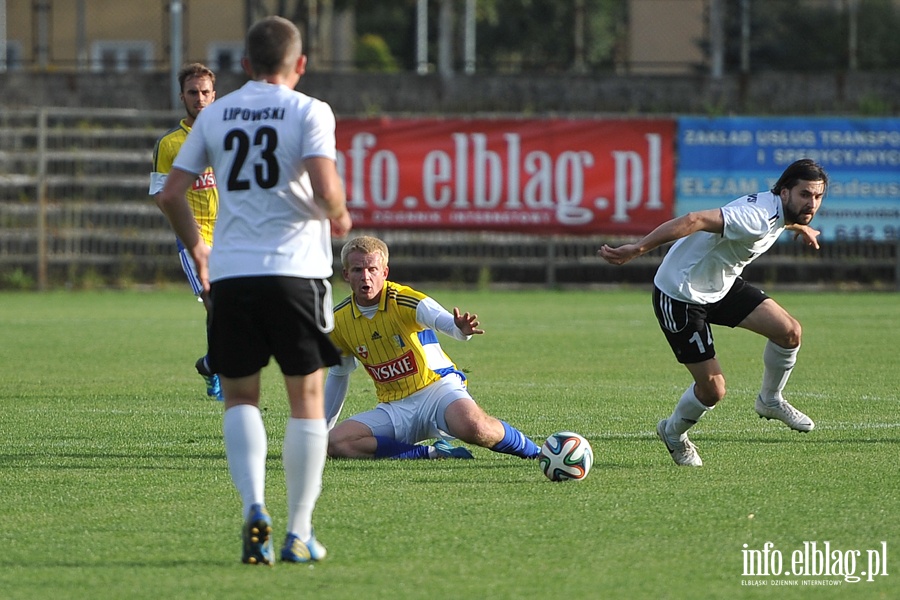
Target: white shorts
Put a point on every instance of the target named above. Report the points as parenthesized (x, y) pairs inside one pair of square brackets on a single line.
[(187, 265), (417, 417)]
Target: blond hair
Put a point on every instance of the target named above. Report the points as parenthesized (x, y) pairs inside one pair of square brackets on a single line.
[(367, 245)]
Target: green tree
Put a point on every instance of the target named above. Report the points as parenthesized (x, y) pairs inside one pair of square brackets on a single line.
[(372, 54), (803, 36), (511, 35), (527, 35), (879, 44)]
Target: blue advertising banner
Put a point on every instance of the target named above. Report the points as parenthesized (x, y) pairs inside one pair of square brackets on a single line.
[(723, 158)]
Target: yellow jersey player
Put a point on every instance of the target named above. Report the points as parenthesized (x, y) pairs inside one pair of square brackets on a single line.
[(197, 91), (390, 329)]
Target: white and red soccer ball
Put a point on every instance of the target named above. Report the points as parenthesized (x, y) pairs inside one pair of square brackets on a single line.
[(566, 456)]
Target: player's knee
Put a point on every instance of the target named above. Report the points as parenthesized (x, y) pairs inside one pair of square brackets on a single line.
[(791, 338), (711, 391)]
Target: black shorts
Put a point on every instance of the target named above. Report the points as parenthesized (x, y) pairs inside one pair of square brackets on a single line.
[(255, 318), (686, 325)]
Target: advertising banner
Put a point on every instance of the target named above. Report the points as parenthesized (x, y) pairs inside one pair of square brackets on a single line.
[(579, 176), (720, 159)]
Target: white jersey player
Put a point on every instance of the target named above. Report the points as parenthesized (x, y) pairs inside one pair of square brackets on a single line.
[(699, 284), (280, 196)]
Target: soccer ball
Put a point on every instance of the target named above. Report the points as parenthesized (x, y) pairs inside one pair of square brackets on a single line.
[(566, 456)]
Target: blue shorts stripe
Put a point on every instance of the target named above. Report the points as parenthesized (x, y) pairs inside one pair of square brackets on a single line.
[(187, 265)]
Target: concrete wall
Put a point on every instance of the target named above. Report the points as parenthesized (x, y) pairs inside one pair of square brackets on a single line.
[(371, 94), (205, 23), (663, 35)]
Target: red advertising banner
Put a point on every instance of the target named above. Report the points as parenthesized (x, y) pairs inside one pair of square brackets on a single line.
[(579, 176)]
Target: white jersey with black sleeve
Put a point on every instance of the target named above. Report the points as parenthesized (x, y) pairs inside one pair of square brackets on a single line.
[(702, 267), (256, 139)]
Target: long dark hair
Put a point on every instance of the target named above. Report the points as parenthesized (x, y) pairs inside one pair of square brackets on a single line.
[(804, 169)]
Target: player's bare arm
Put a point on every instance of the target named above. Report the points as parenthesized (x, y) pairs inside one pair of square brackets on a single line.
[(467, 323), (329, 193), (670, 231)]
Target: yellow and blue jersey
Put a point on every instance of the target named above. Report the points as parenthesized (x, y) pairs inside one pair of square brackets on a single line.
[(401, 355), (203, 197)]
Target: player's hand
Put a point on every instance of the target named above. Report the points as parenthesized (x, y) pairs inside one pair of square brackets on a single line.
[(342, 225), (618, 256), (204, 296), (201, 264), (466, 322), (810, 236)]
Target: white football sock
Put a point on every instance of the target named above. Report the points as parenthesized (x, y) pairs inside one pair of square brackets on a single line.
[(686, 414), (245, 448), (778, 362), (305, 448)]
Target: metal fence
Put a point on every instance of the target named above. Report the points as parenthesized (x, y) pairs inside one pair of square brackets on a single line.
[(73, 196), (75, 211)]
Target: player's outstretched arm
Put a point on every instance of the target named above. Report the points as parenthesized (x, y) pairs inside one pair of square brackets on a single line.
[(430, 314), (674, 229)]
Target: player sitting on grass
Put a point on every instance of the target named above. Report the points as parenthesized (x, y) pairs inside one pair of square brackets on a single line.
[(390, 329)]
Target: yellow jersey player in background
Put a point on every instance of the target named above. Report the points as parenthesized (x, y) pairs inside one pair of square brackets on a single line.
[(390, 329), (197, 91)]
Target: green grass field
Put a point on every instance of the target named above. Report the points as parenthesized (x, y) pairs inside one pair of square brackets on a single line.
[(113, 482)]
